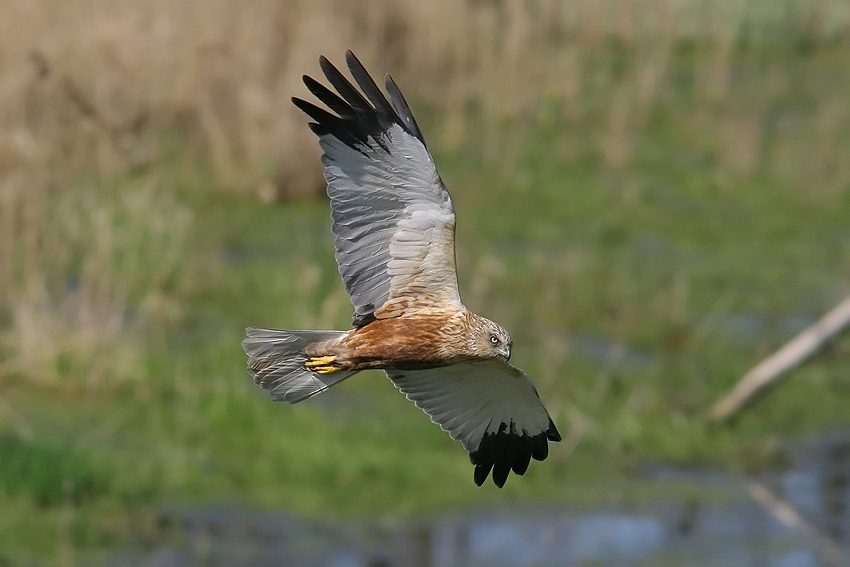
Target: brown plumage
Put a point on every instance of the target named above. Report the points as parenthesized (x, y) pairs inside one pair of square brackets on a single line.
[(426, 338), (394, 223)]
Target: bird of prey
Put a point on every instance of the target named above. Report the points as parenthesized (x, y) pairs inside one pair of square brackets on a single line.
[(394, 227)]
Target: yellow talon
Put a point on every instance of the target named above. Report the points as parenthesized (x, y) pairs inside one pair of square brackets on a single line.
[(320, 361), (321, 364)]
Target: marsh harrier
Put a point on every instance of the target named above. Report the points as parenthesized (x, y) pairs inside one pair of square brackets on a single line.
[(394, 227)]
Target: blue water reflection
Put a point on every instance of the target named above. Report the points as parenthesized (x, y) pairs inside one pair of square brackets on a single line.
[(796, 517), (551, 538)]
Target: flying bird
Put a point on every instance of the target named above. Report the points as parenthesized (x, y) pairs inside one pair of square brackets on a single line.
[(394, 227)]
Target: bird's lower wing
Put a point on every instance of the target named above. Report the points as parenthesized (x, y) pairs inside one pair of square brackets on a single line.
[(490, 406)]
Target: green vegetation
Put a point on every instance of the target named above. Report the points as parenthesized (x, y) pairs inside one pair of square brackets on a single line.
[(646, 240)]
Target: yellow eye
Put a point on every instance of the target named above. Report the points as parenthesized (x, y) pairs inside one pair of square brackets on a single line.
[(494, 339)]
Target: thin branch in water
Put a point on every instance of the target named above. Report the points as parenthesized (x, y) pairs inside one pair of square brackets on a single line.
[(788, 357)]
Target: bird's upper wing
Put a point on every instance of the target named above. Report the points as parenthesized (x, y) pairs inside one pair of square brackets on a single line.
[(490, 406), (392, 217)]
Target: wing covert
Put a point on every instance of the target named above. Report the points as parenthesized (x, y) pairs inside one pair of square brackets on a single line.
[(490, 406), (393, 218)]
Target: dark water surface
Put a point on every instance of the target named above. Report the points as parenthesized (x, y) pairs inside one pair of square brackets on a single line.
[(796, 517)]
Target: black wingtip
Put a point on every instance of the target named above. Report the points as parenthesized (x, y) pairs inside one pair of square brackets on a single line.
[(508, 450), (361, 114), (552, 433), (540, 447), (385, 112), (481, 474), (352, 60), (402, 108), (522, 459)]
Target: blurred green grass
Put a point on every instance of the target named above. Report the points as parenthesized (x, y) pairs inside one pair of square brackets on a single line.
[(636, 295)]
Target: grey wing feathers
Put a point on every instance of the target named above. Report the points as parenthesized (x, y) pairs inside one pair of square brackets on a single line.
[(490, 406), (392, 217)]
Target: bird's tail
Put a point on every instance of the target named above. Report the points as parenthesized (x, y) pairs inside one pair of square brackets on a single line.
[(276, 361)]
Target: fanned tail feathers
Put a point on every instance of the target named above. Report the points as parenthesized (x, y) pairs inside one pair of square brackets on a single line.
[(276, 362)]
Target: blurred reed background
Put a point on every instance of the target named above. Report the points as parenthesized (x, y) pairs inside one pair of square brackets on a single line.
[(158, 192)]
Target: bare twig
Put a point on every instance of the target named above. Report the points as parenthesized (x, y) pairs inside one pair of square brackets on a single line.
[(789, 516), (792, 354)]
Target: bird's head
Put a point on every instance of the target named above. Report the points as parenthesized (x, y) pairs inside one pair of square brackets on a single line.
[(492, 340)]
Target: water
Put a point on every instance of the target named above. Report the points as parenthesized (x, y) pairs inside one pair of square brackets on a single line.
[(796, 517), (742, 328)]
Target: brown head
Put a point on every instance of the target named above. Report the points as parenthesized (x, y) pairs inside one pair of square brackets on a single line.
[(488, 339)]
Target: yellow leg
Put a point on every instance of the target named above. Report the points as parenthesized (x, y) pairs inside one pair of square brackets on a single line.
[(321, 364)]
